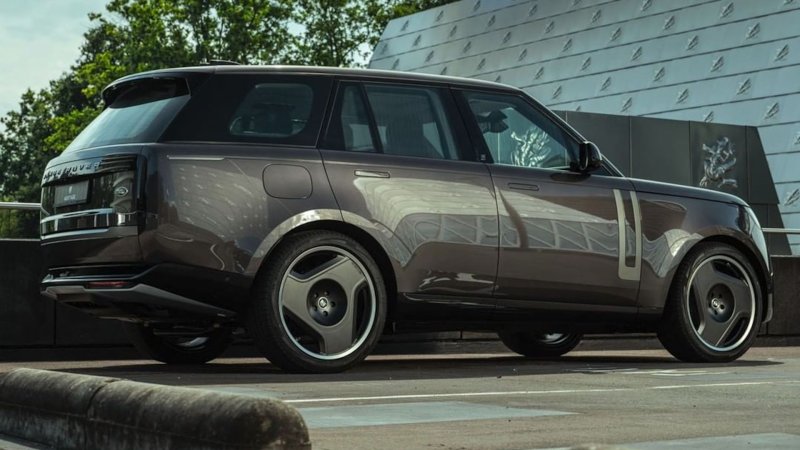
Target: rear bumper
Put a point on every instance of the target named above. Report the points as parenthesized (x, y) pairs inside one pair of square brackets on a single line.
[(132, 303), (92, 246), (134, 294)]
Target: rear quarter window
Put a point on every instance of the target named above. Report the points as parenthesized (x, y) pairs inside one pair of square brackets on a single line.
[(284, 110)]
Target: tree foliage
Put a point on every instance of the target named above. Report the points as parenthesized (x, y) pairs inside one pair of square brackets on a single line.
[(138, 35)]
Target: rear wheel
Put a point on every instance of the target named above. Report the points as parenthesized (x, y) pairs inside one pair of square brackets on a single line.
[(540, 345), (178, 349), (712, 311), (320, 306)]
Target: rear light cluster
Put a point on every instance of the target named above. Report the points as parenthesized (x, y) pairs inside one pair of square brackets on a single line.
[(91, 194), (117, 163)]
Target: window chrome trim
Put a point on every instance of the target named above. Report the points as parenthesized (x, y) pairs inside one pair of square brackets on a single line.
[(626, 272)]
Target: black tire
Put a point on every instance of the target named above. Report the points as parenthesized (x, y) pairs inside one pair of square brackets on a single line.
[(296, 339), (688, 328), (540, 345), (177, 350)]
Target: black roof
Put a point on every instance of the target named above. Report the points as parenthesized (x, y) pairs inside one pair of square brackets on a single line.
[(333, 71)]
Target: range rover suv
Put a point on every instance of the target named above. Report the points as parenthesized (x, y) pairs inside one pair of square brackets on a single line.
[(319, 208)]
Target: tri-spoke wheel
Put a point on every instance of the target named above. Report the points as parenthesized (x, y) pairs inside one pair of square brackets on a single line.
[(321, 304), (540, 345), (171, 347), (714, 307)]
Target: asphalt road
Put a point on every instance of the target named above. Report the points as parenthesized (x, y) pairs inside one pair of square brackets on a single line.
[(640, 399)]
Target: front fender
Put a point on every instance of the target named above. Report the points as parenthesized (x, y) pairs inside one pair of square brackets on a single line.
[(673, 226)]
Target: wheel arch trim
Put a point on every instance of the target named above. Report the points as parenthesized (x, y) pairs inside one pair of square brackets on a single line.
[(761, 267), (373, 237)]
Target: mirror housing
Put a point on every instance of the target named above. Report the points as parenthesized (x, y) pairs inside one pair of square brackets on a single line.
[(589, 157)]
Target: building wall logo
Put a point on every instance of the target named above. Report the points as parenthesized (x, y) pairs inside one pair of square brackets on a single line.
[(718, 164), (792, 197)]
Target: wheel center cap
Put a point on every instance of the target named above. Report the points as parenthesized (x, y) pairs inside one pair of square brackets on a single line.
[(322, 302), (715, 303)]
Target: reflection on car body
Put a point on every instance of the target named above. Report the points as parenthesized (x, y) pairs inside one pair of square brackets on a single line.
[(315, 206)]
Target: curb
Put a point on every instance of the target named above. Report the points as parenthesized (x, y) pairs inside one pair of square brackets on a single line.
[(69, 411)]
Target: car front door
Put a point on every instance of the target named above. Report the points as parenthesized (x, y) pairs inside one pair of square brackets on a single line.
[(568, 240), (398, 160)]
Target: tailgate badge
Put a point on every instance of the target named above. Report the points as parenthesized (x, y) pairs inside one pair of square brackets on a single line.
[(121, 191)]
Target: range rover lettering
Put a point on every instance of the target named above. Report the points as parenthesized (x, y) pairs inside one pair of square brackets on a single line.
[(319, 208)]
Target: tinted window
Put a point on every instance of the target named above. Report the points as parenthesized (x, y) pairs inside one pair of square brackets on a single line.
[(138, 112), (411, 121), (254, 108), (273, 110), (519, 135), (350, 129)]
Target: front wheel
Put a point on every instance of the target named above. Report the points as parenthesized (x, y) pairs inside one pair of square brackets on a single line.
[(175, 349), (540, 345), (320, 305), (714, 304)]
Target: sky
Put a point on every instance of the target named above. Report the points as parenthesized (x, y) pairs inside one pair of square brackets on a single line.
[(39, 40)]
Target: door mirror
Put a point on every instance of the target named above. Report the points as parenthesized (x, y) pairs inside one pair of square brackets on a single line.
[(589, 157)]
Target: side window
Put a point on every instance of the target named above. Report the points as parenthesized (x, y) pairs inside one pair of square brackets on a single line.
[(519, 135), (349, 128), (261, 109), (412, 121), (273, 110)]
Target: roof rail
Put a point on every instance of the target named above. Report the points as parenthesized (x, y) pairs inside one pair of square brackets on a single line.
[(219, 62)]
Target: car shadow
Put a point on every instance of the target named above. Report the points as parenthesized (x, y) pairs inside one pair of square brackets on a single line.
[(243, 371)]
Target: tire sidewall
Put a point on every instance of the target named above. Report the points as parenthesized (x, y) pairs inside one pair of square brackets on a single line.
[(698, 257)]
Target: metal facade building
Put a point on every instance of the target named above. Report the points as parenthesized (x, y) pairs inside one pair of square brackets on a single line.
[(719, 61)]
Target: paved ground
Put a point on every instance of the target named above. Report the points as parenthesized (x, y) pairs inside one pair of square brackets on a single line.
[(636, 399)]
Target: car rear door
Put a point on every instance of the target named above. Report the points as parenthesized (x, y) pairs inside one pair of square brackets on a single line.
[(402, 169), (568, 240)]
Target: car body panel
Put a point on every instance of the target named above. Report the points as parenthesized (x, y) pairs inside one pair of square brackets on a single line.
[(441, 217), (214, 211), (560, 240), (465, 240), (672, 225)]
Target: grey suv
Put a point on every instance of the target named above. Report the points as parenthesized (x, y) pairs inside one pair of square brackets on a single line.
[(318, 208)]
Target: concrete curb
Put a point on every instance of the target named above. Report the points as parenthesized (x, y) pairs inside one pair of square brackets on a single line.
[(69, 411)]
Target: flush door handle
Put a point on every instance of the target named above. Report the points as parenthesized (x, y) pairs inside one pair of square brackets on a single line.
[(372, 174), (523, 186)]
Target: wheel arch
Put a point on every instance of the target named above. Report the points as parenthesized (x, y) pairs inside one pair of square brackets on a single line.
[(372, 246), (749, 253)]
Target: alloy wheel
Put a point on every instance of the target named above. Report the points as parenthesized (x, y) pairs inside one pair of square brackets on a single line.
[(721, 303), (327, 303)]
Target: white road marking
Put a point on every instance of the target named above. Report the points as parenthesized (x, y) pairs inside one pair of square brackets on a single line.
[(654, 372), (517, 393), (334, 416)]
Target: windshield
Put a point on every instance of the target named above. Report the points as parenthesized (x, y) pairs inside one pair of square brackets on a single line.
[(138, 112)]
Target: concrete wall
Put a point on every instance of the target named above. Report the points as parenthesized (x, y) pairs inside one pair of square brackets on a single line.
[(29, 320), (664, 150)]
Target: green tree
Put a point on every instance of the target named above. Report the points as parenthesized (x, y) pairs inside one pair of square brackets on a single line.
[(22, 149), (342, 33), (140, 35), (137, 35)]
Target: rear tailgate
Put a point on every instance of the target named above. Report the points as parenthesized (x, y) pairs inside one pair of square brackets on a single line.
[(91, 208), (92, 201)]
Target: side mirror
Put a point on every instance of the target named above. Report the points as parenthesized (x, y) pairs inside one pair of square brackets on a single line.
[(589, 157)]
